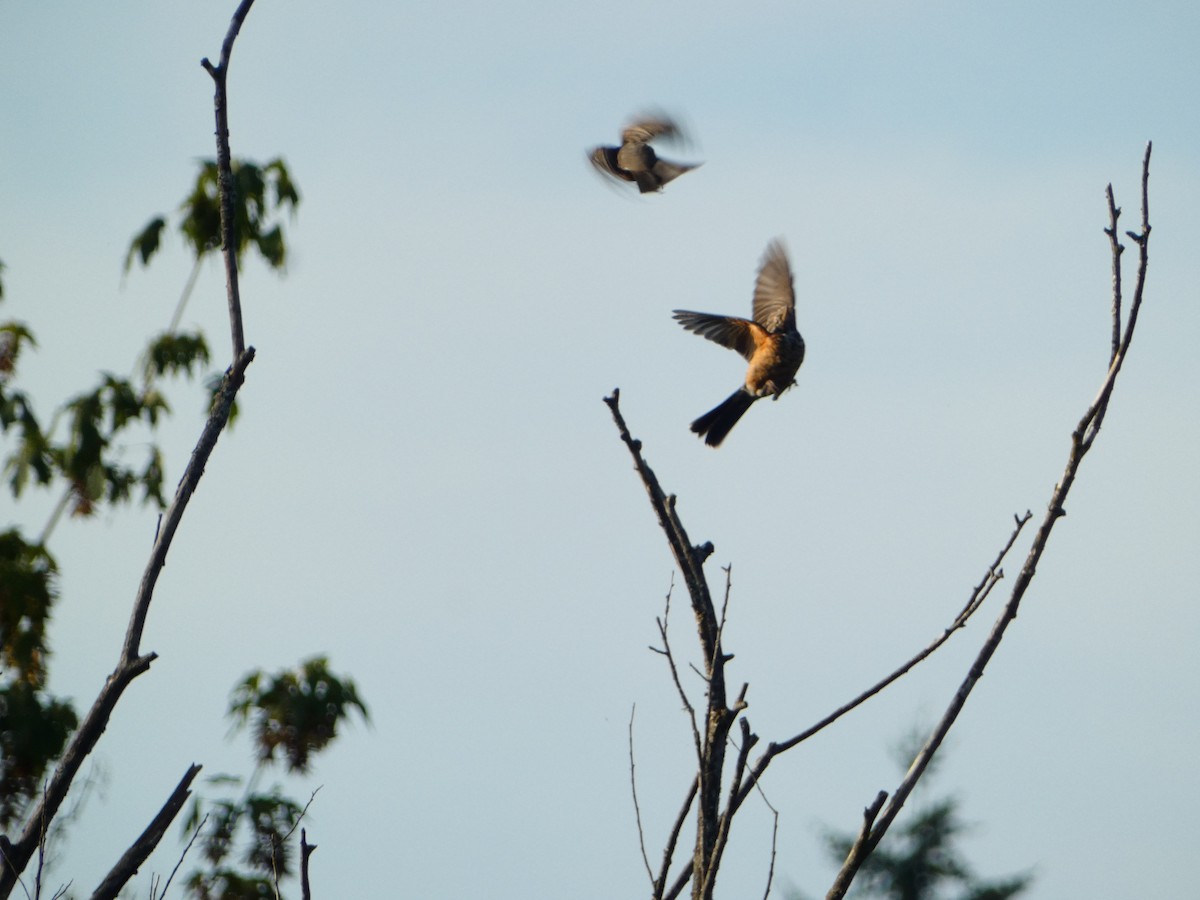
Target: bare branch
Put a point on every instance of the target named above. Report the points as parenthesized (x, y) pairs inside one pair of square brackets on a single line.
[(669, 850), (1117, 249), (774, 848), (306, 850), (195, 834), (1081, 440), (637, 810), (219, 75), (993, 574), (129, 863), (687, 557), (666, 651)]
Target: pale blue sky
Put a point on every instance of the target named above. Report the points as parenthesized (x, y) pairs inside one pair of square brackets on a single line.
[(426, 485)]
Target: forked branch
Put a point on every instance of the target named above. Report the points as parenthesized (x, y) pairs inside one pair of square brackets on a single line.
[(1081, 441)]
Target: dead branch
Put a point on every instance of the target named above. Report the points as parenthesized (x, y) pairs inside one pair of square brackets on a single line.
[(129, 863), (1082, 439), (306, 850), (990, 578), (719, 717), (229, 243), (637, 810)]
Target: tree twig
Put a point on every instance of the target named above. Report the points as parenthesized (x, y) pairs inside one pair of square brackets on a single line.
[(179, 862), (637, 810)]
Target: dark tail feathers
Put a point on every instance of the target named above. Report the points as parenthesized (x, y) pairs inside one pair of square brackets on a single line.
[(717, 422)]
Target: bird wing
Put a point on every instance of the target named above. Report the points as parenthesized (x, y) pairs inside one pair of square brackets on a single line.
[(644, 130), (728, 331), (605, 161), (774, 297)]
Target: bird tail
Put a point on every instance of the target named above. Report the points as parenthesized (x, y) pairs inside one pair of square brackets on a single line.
[(717, 422), (665, 171)]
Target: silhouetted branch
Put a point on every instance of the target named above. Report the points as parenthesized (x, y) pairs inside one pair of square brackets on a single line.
[(990, 578), (129, 863), (718, 717), (637, 810), (666, 651), (195, 834), (229, 242), (669, 849), (1081, 441), (306, 850)]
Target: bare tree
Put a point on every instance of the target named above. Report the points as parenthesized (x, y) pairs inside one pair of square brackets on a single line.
[(711, 802)]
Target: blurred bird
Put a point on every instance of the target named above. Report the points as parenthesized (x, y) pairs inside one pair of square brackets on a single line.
[(636, 161), (770, 342)]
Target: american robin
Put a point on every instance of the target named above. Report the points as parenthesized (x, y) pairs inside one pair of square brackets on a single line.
[(636, 161), (770, 342)]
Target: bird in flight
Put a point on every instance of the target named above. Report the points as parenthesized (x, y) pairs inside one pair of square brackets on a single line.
[(636, 161), (769, 341)]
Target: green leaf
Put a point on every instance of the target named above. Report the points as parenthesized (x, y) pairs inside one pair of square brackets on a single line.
[(295, 712), (146, 242), (174, 353)]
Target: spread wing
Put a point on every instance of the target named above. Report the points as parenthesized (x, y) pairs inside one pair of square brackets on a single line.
[(605, 161), (728, 331), (644, 130), (774, 297)]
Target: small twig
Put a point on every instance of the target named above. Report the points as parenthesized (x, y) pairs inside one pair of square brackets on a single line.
[(774, 847), (728, 570), (179, 862), (637, 810), (303, 813), (666, 651)]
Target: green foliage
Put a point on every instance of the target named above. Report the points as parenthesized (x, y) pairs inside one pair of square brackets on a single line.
[(27, 592), (12, 334), (176, 353), (146, 242), (89, 459), (33, 731), (261, 195), (228, 884), (295, 712), (32, 456)]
